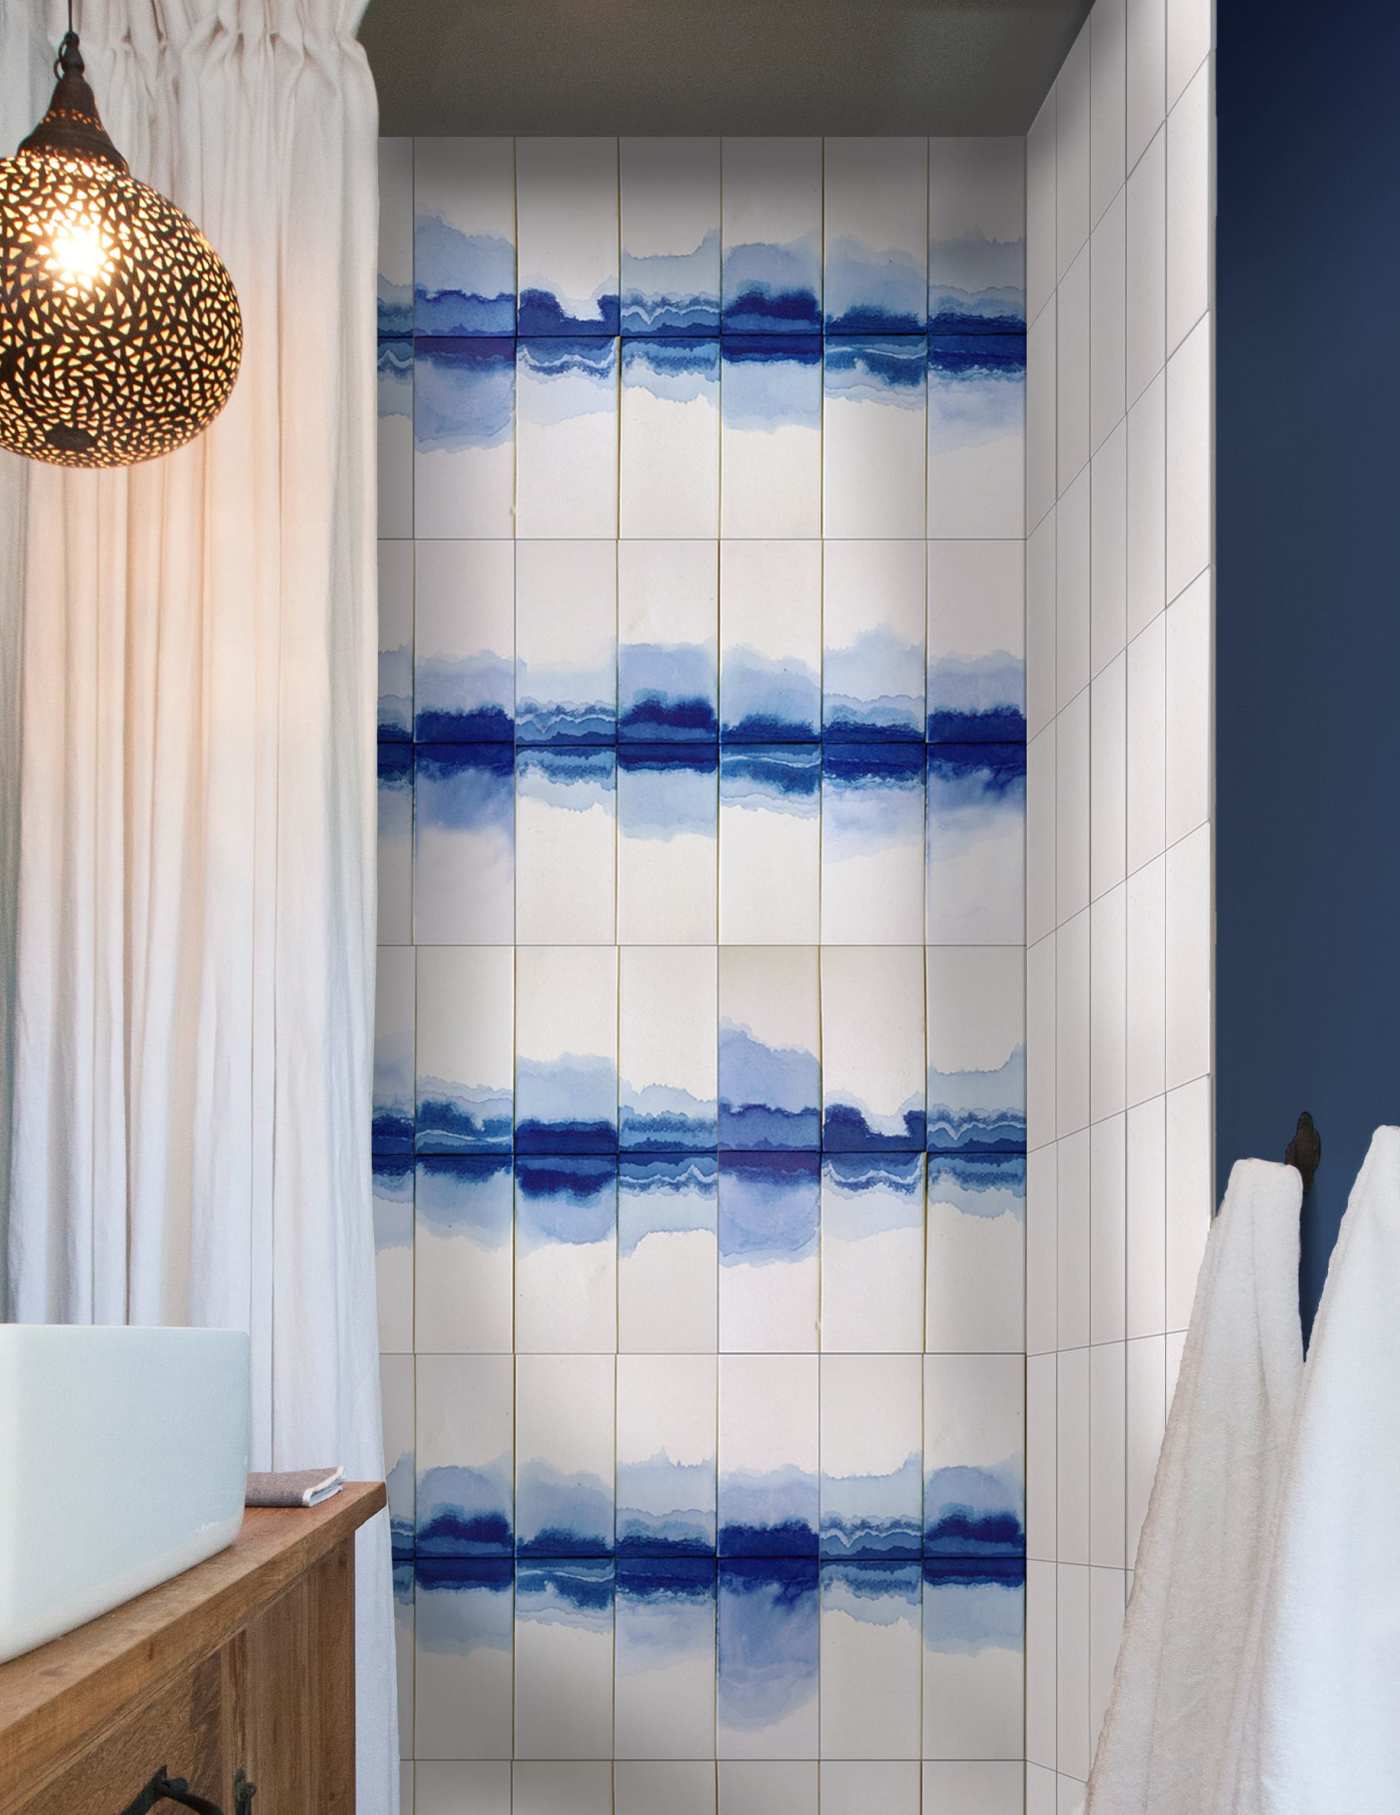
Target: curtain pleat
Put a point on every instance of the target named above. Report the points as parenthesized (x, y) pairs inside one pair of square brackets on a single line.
[(187, 807)]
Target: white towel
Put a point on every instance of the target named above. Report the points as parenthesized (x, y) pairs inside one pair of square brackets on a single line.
[(1166, 1735), (1321, 1731)]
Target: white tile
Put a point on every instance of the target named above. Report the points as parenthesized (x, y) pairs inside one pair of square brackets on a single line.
[(567, 223), (1147, 981), (976, 439), (1107, 1463), (668, 438), (1108, 80), (1040, 1789), (976, 232), (872, 1261), (974, 1420), (1072, 158), (1072, 1024), (1108, 1229), (1040, 1669), (876, 229), (1189, 207), (464, 437), (1073, 580), (871, 1488), (1072, 1453), (1107, 1598), (565, 639), (668, 1092), (1147, 744), (1108, 777), (1175, 1349), (1147, 73), (1040, 625), (566, 438), (1188, 708), (1190, 30), (1040, 413), (1189, 1194), (1041, 1456), (543, 1788), (563, 1685), (1147, 505), (1040, 835), (464, 1286), (670, 190), (667, 1420), (393, 1253), (465, 1426), (462, 1675), (1147, 1218), (641, 1786), (873, 1057), (874, 435), (767, 1787), (1072, 1674), (462, 643), (1108, 561), (1108, 327), (1189, 942), (976, 845), (566, 847), (668, 1260), (870, 1660), (974, 1663), (770, 844), (1074, 307), (770, 622), (1108, 1030), (1041, 269), (770, 436), (971, 1787), (768, 1452), (1189, 458), (850, 1788), (1146, 1423), (453, 1787), (1042, 1253), (975, 641), (667, 846), (1069, 1796), (1040, 1042), (772, 235), (464, 846), (565, 1454), (1075, 1234), (1147, 267), (1072, 808)]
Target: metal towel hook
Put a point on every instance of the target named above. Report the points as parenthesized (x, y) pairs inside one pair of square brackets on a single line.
[(1305, 1150)]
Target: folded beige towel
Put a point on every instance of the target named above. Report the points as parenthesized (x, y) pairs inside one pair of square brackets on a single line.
[(294, 1487)]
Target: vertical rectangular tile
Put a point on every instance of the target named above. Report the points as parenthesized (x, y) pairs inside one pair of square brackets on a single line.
[(446, 1788), (670, 191), (769, 1041), (1041, 267), (1072, 1672), (396, 1406), (981, 1787), (1189, 956), (1072, 154), (1073, 1023), (1108, 277), (1147, 72), (976, 1252), (567, 230), (874, 427), (767, 1656), (394, 842), (1108, 777), (393, 1252), (1147, 1218), (1189, 695), (664, 1663), (770, 844), (1147, 509), (1107, 1005), (769, 1252), (873, 1055), (976, 1049), (566, 846), (849, 1786), (1041, 427), (463, 236), (564, 1455), (1041, 554), (668, 641), (1041, 1092), (667, 1038), (401, 1573), (757, 1787), (770, 641), (872, 843), (542, 1787), (395, 714), (772, 235), (463, 437), (974, 1467), (770, 435), (394, 444), (1072, 1454), (975, 889), (1107, 1459), (668, 458), (466, 1407), (668, 850), (870, 1662), (566, 480), (1147, 268), (667, 1410), (976, 236), (464, 1279), (976, 434), (667, 1269), (463, 643), (975, 640), (1108, 1229), (872, 1252), (465, 1049), (1190, 510), (464, 844), (463, 1623), (1073, 320), (566, 1049), (1042, 1252), (768, 1451), (394, 266), (685, 1788), (871, 1448), (974, 1617), (393, 1106), (1108, 122), (873, 611), (564, 1669), (876, 231), (566, 642), (565, 1254)]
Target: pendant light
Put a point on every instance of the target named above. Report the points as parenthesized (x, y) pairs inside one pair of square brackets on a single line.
[(120, 334)]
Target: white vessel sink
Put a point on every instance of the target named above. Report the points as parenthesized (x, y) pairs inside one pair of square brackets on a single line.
[(123, 1460)]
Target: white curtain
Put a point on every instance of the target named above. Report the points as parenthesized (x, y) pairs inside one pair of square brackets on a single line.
[(188, 833)]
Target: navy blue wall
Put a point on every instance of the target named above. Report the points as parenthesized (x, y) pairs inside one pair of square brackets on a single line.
[(1308, 601)]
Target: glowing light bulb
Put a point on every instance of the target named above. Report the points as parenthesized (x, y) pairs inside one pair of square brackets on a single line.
[(79, 254)]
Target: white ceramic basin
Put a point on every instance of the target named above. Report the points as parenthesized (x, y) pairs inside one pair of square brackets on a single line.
[(123, 1460)]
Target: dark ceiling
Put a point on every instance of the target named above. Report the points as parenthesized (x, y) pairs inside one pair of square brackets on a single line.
[(729, 66)]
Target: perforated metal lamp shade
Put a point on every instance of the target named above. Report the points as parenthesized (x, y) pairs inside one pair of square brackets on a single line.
[(120, 334)]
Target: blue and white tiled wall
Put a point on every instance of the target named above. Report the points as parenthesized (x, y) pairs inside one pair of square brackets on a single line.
[(700, 1119), (1119, 832)]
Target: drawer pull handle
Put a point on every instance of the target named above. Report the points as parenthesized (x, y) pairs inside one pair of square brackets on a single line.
[(164, 1788)]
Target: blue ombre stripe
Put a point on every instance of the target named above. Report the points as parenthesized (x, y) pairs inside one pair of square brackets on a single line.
[(464, 283), (464, 1512), (974, 1511), (883, 370), (541, 312)]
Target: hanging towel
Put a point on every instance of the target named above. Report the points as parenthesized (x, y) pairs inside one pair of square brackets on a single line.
[(1164, 1739), (1321, 1729)]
